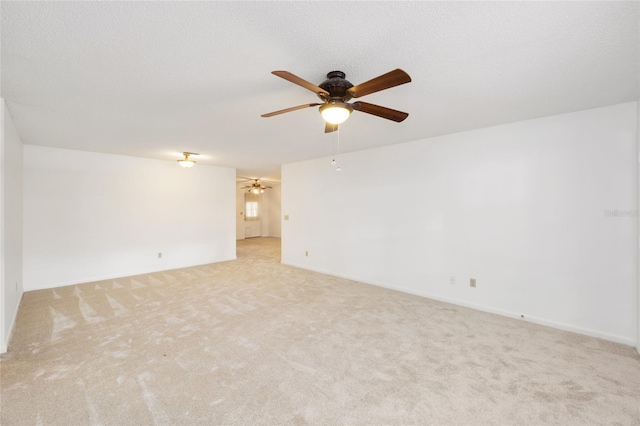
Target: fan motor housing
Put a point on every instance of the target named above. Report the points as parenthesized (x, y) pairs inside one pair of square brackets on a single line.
[(337, 86)]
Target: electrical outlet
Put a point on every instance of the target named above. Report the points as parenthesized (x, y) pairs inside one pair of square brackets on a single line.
[(452, 280), (306, 253), (472, 282), (159, 255)]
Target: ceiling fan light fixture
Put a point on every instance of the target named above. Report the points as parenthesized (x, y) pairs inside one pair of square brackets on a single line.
[(186, 162), (256, 187), (336, 91), (335, 112)]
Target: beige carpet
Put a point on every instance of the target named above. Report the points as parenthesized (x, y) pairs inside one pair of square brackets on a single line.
[(255, 342)]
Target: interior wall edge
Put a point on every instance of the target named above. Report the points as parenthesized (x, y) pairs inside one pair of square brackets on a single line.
[(11, 218), (3, 347), (638, 227), (10, 329)]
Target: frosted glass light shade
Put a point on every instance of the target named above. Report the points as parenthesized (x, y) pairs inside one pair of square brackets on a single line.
[(335, 113), (187, 162)]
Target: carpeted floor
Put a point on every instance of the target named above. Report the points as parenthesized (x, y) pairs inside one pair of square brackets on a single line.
[(254, 342)]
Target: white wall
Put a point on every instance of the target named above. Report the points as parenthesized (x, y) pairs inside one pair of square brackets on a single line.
[(91, 216), (520, 207), (272, 202), (11, 225), (240, 223)]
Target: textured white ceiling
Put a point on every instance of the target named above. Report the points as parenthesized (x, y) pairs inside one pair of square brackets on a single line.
[(151, 79)]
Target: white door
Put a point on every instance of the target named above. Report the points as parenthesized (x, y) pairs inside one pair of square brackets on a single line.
[(253, 216)]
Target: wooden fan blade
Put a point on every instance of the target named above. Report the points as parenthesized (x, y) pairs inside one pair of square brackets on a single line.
[(295, 108), (328, 127), (385, 81), (299, 81), (380, 111)]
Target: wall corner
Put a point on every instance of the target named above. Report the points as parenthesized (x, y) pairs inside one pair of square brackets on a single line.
[(638, 226)]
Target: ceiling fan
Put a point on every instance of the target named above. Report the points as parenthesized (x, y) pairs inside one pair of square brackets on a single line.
[(256, 187), (335, 91)]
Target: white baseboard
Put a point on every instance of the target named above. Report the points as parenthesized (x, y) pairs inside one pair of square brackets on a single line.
[(489, 309), (133, 274), (11, 326)]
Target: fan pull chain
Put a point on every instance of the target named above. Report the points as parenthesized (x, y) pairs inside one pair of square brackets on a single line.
[(333, 161), (338, 132), (333, 152)]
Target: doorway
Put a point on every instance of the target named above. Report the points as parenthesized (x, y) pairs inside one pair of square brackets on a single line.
[(258, 215)]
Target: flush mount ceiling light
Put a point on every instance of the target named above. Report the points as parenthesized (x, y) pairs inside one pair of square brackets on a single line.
[(186, 162), (335, 112)]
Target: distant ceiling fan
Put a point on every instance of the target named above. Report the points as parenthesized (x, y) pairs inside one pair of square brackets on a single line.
[(335, 91), (256, 187)]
